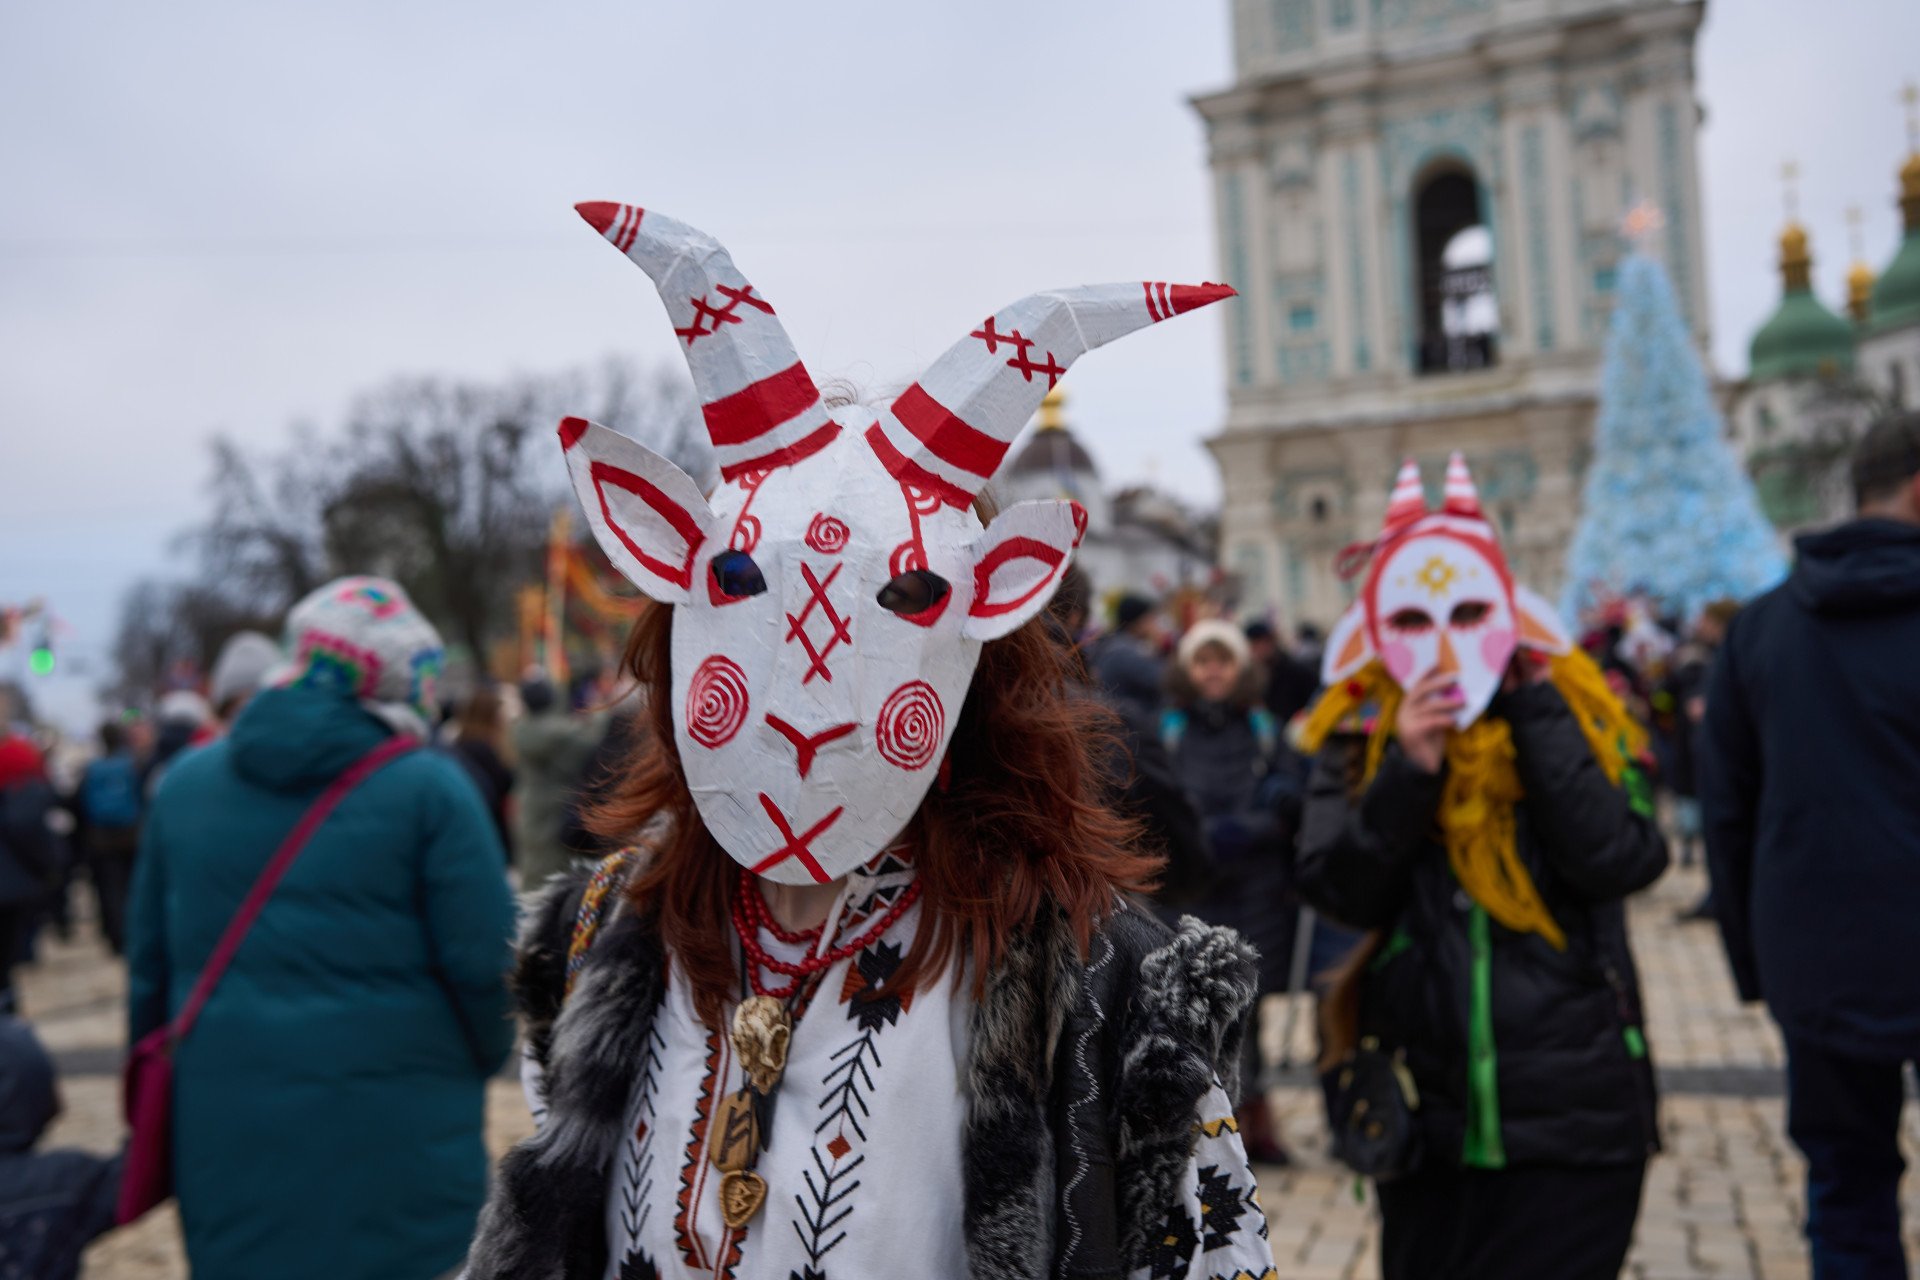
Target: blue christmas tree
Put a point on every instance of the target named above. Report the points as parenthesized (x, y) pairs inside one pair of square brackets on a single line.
[(1667, 508)]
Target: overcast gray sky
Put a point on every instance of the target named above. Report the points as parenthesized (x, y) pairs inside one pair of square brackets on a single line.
[(232, 216)]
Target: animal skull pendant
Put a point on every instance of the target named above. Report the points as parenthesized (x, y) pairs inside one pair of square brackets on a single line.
[(761, 1030)]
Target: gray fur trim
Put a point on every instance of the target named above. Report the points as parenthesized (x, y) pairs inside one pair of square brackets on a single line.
[(1189, 1013), (539, 974), (544, 1218), (1008, 1144)]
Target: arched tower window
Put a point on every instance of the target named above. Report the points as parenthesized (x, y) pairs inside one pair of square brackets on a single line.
[(1459, 314)]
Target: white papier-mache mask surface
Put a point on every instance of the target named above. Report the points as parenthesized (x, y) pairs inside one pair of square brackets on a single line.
[(1438, 595), (831, 598)]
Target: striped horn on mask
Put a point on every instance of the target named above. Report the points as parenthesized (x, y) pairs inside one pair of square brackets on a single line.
[(948, 432), (761, 407)]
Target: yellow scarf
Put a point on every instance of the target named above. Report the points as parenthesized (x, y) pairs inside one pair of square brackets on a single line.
[(1483, 784)]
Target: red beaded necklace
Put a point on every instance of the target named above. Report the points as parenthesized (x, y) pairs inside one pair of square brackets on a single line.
[(750, 916)]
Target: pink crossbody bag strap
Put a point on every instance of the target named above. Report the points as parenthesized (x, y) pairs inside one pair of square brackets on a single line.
[(256, 899)]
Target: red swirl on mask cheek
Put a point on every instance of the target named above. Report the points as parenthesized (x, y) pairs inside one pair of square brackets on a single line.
[(910, 725), (716, 702)]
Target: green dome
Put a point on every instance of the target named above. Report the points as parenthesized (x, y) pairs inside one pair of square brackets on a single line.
[(1802, 337), (1896, 294)]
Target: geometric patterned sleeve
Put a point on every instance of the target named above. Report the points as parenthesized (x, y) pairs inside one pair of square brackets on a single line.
[(1216, 1229)]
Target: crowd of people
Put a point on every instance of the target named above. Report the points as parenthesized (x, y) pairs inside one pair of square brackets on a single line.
[(1427, 821), (371, 1003)]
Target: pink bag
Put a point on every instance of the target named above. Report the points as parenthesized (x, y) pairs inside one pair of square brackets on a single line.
[(148, 1082)]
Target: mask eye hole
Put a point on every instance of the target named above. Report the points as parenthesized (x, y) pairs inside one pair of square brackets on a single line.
[(1470, 613), (1411, 622), (736, 575), (915, 591)]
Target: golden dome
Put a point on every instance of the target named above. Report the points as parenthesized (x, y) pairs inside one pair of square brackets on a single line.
[(1859, 291), (1051, 416), (1910, 171), (1796, 262)]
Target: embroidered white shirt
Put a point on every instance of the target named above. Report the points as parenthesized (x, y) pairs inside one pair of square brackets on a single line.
[(863, 1166)]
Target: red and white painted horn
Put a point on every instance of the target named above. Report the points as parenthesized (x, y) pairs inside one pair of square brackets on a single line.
[(1407, 503), (948, 432), (761, 407), (1462, 499)]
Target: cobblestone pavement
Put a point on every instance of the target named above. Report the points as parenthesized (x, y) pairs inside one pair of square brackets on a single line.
[(1723, 1201)]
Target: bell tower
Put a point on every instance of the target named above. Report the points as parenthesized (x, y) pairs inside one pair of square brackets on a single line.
[(1419, 202)]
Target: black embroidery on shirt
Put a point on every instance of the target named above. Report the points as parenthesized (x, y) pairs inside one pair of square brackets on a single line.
[(869, 1000), (638, 1266), (1171, 1250), (1221, 1204), (636, 1184), (822, 1206)]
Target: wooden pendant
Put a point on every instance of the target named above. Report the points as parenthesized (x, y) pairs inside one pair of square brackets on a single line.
[(742, 1192), (761, 1029), (735, 1140)]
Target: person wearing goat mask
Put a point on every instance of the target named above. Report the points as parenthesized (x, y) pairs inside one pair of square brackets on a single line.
[(1476, 803), (871, 997)]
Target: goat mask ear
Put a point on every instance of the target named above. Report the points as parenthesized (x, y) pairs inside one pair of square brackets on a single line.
[(1018, 561), (1349, 646), (646, 513), (1540, 627)]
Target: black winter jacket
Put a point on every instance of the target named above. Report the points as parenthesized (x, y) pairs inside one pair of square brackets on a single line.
[(52, 1203), (1810, 792), (1574, 1083), (1247, 793)]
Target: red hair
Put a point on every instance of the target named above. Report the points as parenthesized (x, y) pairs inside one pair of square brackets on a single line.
[(1020, 827)]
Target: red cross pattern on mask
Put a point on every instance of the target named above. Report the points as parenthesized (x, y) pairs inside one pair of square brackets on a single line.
[(795, 846), (704, 311), (797, 624), (1051, 367), (987, 334)]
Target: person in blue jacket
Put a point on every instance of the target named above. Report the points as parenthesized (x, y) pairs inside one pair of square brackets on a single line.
[(328, 1104)]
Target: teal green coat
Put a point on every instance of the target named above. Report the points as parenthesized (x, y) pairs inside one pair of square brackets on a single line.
[(329, 1105)]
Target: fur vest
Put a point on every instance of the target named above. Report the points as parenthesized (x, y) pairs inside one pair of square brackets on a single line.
[(1084, 1080)]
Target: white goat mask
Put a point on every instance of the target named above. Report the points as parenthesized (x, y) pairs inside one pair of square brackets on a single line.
[(832, 597)]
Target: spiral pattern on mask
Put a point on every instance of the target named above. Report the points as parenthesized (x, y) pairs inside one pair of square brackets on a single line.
[(827, 534), (910, 725), (716, 702)]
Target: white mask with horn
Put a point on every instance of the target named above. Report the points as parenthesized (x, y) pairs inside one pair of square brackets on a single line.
[(831, 598), (1438, 596)]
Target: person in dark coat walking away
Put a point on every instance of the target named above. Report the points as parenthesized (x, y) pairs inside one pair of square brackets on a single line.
[(1810, 788), (1486, 826), (29, 853), (110, 804), (1228, 752), (1291, 683), (1685, 692), (52, 1203), (551, 747), (1140, 778), (480, 748), (1127, 660), (328, 1106)]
